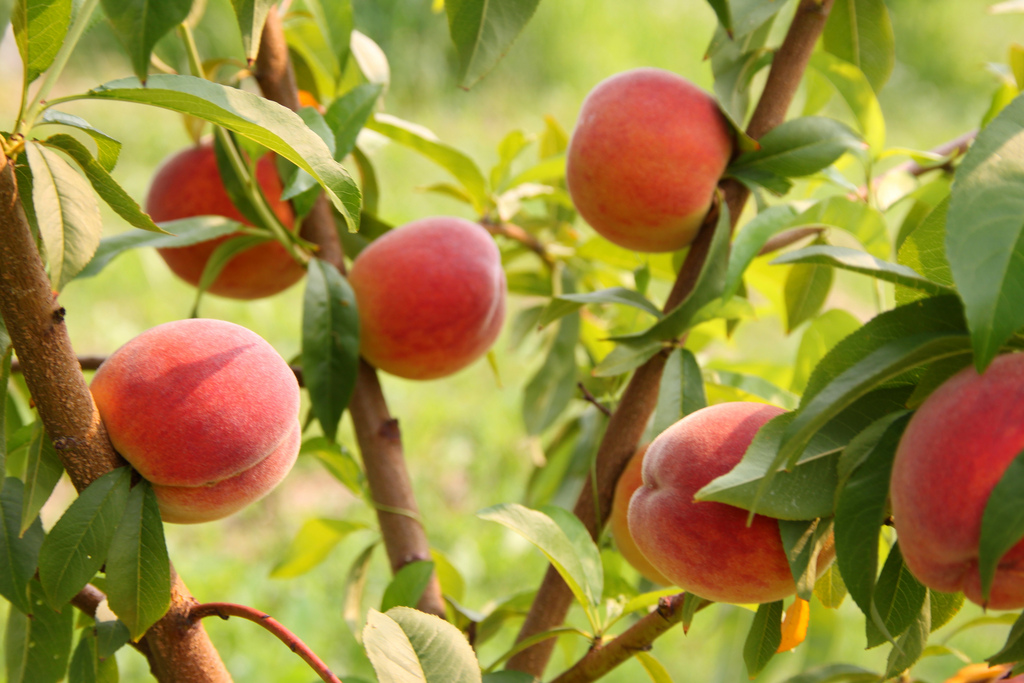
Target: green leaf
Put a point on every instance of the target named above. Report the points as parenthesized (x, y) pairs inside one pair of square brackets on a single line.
[(39, 30), (860, 262), (251, 15), (751, 237), (864, 222), (988, 199), (139, 24), (111, 636), (102, 182), (807, 286), (824, 332), (709, 286), (267, 123), (944, 607), (43, 469), (335, 21), (803, 541), (897, 597), (681, 391), (338, 460), (421, 140), (348, 114), (1013, 650), (407, 585), (626, 357), (860, 32), (509, 676), (563, 539), (66, 211), (408, 646), (830, 588), (483, 31), (855, 89), (107, 148), (924, 250), (88, 666), (910, 646), (764, 637), (754, 385), (750, 15), (180, 233), (355, 584), (655, 670), (138, 569), (37, 647), (691, 604), (19, 551), (722, 11), (330, 343), (860, 511), (312, 544), (835, 673), (798, 147), (219, 258), (549, 392), (76, 547), (568, 303), (1002, 523)]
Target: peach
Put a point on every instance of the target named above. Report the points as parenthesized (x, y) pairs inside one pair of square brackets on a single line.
[(189, 184), (645, 157), (628, 483), (706, 547), (431, 297), (951, 455), (206, 410)]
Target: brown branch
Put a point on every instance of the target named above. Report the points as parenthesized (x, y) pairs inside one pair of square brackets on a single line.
[(89, 599), (376, 431), (590, 398), (517, 233), (788, 237), (640, 396), (35, 322), (224, 610), (604, 657), (954, 147)]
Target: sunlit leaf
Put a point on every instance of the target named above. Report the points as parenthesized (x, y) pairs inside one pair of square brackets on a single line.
[(483, 31)]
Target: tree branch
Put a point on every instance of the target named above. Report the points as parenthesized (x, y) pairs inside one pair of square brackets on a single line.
[(627, 423), (35, 322), (376, 431), (224, 610)]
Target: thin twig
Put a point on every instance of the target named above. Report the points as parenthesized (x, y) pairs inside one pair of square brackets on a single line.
[(640, 396), (224, 610), (590, 398), (517, 233)]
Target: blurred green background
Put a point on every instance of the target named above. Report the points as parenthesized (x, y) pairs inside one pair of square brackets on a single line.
[(466, 446)]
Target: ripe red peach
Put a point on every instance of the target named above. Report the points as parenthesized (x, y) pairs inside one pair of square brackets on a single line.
[(189, 184), (706, 547), (628, 483), (645, 157), (951, 455), (206, 410), (431, 297)]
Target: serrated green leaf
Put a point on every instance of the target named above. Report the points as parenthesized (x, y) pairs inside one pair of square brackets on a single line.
[(860, 510), (408, 646), (749, 240), (549, 392), (860, 32), (104, 185), (858, 261), (803, 541), (76, 547), (807, 286), (798, 147), (924, 250), (944, 607), (988, 199), (181, 233), (421, 140), (19, 552), (43, 469), (1002, 523), (407, 585), (39, 30), (139, 24), (312, 544), (855, 89), (563, 539), (138, 569), (330, 343), (764, 637), (910, 646), (37, 648), (267, 123), (483, 31), (897, 597), (251, 15), (348, 114), (66, 211), (830, 588), (107, 148)]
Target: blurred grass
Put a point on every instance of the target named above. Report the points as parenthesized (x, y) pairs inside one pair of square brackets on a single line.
[(466, 445)]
